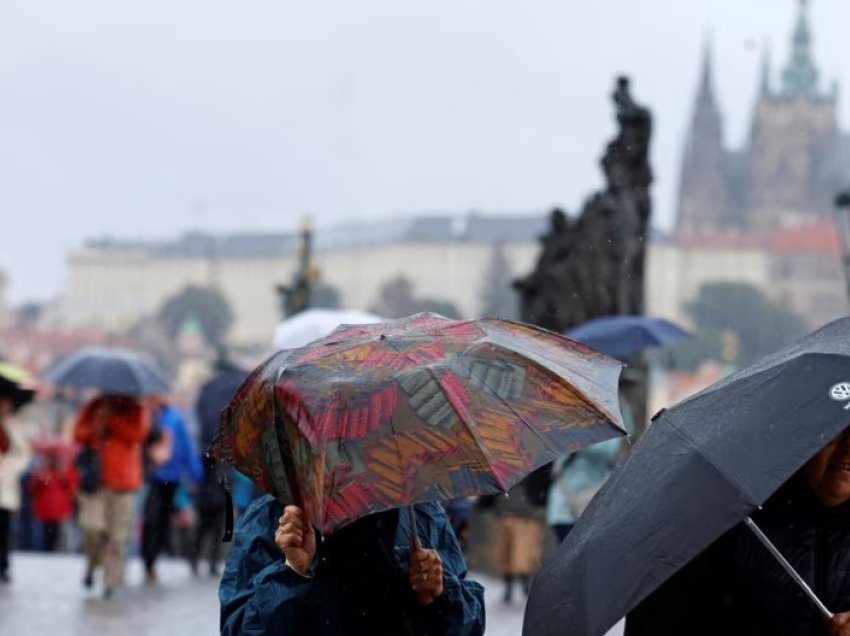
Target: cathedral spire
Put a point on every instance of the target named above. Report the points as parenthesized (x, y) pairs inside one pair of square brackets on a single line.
[(764, 82), (706, 85), (800, 76)]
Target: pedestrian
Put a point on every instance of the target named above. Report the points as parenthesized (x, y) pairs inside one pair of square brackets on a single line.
[(577, 478), (53, 488), (737, 587), (211, 504), (173, 459), (280, 577), (519, 525), (111, 429), (14, 457)]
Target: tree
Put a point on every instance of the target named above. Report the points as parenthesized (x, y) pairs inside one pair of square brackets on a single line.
[(498, 299), (31, 312), (206, 304), (735, 323), (396, 300)]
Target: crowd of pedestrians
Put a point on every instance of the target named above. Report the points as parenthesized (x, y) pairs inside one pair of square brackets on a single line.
[(124, 477)]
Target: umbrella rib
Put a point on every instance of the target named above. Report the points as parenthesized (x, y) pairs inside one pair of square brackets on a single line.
[(537, 358), (591, 404), (470, 426), (543, 441)]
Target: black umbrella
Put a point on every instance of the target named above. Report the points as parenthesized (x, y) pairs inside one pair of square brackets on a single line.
[(700, 469), (213, 397), (110, 370)]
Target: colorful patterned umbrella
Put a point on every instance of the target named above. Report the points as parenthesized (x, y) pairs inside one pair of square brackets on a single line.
[(374, 417)]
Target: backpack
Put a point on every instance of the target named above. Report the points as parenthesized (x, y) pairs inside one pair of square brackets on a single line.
[(87, 464)]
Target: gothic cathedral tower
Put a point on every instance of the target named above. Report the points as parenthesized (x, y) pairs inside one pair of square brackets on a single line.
[(792, 164), (704, 183), (792, 139)]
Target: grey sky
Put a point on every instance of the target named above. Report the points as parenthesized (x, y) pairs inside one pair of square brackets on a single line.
[(118, 118)]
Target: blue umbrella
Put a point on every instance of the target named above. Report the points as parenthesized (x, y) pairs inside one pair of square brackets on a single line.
[(623, 336), (109, 370)]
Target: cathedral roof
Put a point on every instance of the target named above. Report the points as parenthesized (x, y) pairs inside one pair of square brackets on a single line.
[(820, 237)]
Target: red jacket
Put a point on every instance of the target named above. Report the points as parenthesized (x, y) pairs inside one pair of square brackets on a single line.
[(116, 426), (52, 491)]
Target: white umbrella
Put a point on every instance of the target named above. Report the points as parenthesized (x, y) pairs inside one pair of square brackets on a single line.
[(312, 324)]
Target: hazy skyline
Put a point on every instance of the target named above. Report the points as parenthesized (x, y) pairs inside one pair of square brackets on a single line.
[(150, 119)]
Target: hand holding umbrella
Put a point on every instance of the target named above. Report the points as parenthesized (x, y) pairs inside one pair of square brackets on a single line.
[(296, 539), (426, 575)]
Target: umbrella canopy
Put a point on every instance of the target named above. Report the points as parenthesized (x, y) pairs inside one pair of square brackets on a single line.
[(312, 324), (700, 468), (623, 336), (15, 383), (110, 370), (420, 409)]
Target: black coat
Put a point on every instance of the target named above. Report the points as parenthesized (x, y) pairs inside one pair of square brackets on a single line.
[(736, 586)]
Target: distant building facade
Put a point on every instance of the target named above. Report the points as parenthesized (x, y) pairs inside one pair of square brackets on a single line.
[(797, 267), (113, 284)]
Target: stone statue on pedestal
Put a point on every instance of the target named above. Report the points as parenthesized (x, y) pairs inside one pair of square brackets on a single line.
[(593, 265)]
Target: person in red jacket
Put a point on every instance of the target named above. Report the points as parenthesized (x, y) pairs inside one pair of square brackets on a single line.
[(52, 488), (114, 426)]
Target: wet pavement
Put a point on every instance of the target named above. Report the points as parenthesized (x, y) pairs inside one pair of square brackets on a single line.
[(46, 597)]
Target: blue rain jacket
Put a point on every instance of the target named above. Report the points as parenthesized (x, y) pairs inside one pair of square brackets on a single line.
[(260, 595), (184, 458)]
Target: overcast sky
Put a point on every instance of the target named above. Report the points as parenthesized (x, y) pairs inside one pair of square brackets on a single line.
[(144, 119)]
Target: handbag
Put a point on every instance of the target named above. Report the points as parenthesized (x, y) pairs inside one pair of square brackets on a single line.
[(88, 468)]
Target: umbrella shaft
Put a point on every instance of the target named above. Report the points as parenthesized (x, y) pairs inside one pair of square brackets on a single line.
[(415, 543), (787, 567)]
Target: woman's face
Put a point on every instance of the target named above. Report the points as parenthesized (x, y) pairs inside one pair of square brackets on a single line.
[(828, 472)]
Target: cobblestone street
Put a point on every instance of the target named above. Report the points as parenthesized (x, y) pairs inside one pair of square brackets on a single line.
[(46, 597)]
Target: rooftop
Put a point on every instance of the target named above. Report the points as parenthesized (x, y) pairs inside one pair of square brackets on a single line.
[(808, 237), (473, 228)]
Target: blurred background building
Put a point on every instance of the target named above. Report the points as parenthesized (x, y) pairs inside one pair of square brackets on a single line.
[(113, 283)]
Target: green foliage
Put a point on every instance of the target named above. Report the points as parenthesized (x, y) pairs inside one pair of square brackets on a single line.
[(498, 298), (396, 300), (204, 304), (737, 324)]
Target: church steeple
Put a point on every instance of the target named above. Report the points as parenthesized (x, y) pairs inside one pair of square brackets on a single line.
[(800, 76), (703, 187), (706, 119), (764, 82), (706, 86)]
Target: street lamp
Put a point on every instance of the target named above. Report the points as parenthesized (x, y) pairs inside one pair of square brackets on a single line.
[(842, 223)]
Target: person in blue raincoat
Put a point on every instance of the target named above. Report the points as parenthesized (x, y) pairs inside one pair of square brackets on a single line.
[(578, 477), (173, 458), (281, 578)]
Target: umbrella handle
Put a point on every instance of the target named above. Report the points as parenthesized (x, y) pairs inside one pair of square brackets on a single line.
[(788, 568), (422, 596), (415, 543)]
